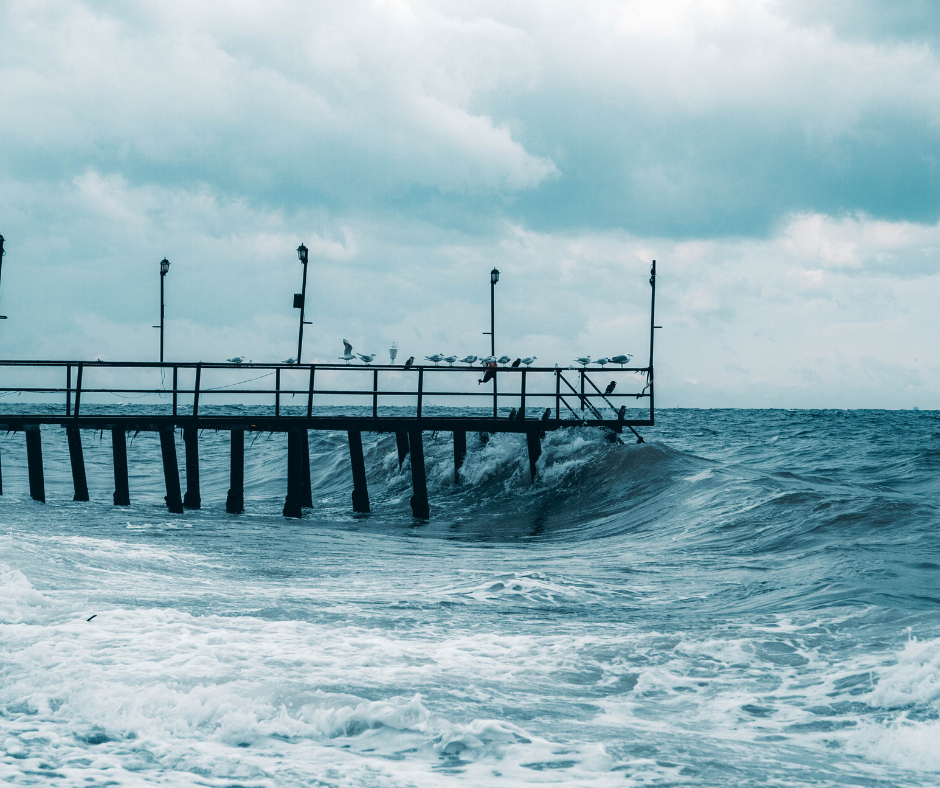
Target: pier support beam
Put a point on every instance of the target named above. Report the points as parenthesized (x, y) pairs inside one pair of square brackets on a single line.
[(235, 501), (306, 493), (122, 492), (419, 480), (77, 458), (292, 507), (401, 438), (171, 471), (1, 481), (37, 485), (192, 499), (460, 452), (534, 444), (360, 494)]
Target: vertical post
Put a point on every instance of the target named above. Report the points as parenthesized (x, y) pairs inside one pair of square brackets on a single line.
[(78, 388), (401, 438), (192, 499), (652, 331), (581, 373), (306, 493), (302, 253), (235, 501), (196, 391), (420, 389), (419, 480), (277, 392), (292, 507), (495, 395), (68, 390), (534, 445), (77, 459), (122, 493), (310, 393), (557, 395), (360, 494), (375, 396), (161, 315), (171, 472), (175, 380), (1, 481), (460, 452), (37, 485), (492, 316), (522, 399)]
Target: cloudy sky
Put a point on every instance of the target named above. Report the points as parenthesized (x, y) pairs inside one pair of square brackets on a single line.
[(779, 161)]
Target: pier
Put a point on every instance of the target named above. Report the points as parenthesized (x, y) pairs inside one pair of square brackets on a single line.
[(175, 397)]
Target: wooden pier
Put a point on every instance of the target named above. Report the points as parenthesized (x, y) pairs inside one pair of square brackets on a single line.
[(543, 399)]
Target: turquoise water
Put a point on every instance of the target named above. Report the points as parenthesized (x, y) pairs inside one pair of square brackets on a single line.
[(749, 598)]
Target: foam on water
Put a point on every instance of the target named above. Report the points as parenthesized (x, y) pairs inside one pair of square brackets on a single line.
[(715, 608)]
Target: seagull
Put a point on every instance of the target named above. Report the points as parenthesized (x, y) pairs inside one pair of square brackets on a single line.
[(621, 360), (504, 360), (584, 360), (602, 361), (450, 360), (347, 352), (436, 358), (528, 360), (610, 387), (236, 360), (468, 359), (290, 360), (487, 361), (410, 361), (366, 357)]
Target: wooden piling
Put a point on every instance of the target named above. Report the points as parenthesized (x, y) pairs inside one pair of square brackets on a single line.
[(360, 494), (192, 499), (306, 493), (460, 452), (534, 444), (37, 485), (235, 501), (292, 507), (171, 472), (122, 493), (419, 480), (402, 439), (77, 458)]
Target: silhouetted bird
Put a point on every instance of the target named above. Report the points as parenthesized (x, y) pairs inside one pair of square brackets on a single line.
[(516, 363), (547, 414), (621, 414), (610, 387), (290, 360), (410, 361)]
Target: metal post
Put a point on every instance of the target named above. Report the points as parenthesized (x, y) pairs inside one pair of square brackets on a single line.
[(77, 460), (375, 396), (292, 507), (419, 480), (175, 377), (37, 485), (653, 326), (310, 393), (360, 493), (235, 501), (122, 493), (277, 392), (78, 388), (68, 390), (303, 303), (522, 399), (557, 395), (420, 389), (162, 314), (492, 317), (171, 472), (460, 452), (196, 391)]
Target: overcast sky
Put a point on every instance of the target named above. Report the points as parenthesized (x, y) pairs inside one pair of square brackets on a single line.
[(779, 161)]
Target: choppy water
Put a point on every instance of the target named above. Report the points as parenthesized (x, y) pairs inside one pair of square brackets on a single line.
[(750, 598)]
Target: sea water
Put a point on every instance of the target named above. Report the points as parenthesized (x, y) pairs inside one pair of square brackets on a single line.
[(748, 598)]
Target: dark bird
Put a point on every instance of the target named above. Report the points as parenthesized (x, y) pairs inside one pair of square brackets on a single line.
[(489, 374), (547, 414), (622, 413), (610, 387), (520, 416), (410, 361), (516, 363), (512, 414)]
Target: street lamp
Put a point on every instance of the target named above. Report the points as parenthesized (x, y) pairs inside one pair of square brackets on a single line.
[(164, 267), (300, 298), (494, 278), (2, 252)]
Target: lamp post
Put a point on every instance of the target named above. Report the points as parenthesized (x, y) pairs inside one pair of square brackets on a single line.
[(300, 299), (2, 252), (164, 267), (494, 278)]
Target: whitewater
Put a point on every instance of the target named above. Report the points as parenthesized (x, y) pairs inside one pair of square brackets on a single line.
[(748, 598)]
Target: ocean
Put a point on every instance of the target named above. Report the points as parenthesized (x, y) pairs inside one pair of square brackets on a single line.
[(749, 598)]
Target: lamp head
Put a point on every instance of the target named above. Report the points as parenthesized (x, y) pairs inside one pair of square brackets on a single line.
[(164, 266), (302, 253), (494, 276)]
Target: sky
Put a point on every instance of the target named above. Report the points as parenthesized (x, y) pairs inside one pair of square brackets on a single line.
[(779, 159)]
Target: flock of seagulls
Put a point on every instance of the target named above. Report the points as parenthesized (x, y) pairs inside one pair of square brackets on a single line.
[(621, 360)]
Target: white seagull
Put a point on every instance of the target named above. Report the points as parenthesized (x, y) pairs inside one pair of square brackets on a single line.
[(529, 360), (347, 352), (366, 357), (504, 360), (290, 360), (621, 360), (236, 360), (468, 359), (602, 361), (487, 360), (436, 358), (584, 360), (450, 359)]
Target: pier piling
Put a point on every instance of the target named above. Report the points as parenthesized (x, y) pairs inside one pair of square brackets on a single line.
[(37, 485), (292, 507), (77, 458), (460, 452), (235, 501), (534, 444), (192, 499), (419, 480), (306, 493), (1, 479), (360, 494), (401, 438), (171, 473), (122, 493)]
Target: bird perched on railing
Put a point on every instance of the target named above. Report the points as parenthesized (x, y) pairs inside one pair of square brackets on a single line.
[(504, 360), (487, 361), (410, 361), (290, 360), (366, 357), (347, 352), (236, 360), (516, 363), (602, 361), (450, 359), (610, 387), (621, 360), (528, 360), (436, 358), (468, 359), (584, 360)]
